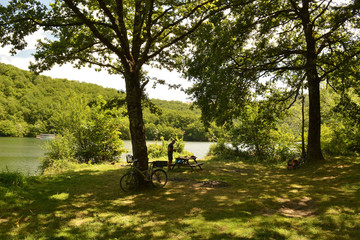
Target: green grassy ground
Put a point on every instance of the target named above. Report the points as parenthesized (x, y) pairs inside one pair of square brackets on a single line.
[(226, 200)]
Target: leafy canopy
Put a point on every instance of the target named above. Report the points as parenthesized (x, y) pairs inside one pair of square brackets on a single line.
[(115, 35), (242, 55)]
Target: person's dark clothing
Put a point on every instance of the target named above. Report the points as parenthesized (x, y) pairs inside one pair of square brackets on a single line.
[(170, 152)]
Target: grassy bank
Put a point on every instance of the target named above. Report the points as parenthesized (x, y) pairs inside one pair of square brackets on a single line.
[(224, 201)]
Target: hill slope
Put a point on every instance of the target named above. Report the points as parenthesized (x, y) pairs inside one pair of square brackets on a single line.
[(29, 101)]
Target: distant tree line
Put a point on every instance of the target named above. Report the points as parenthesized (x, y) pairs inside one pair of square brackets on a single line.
[(31, 104)]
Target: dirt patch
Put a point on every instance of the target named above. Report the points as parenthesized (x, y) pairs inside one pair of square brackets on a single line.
[(302, 208), (3, 220), (238, 170), (178, 179), (212, 184)]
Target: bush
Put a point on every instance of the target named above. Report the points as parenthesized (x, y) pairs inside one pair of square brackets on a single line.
[(59, 153), (156, 150), (63, 147), (280, 152), (220, 148), (90, 134), (98, 136), (12, 179), (341, 139), (58, 165)]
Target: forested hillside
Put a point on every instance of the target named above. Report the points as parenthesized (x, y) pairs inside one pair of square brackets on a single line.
[(32, 104)]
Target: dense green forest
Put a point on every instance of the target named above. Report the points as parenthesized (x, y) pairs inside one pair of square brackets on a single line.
[(32, 104)]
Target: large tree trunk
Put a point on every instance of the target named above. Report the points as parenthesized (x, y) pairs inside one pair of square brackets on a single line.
[(303, 151), (314, 145), (137, 127)]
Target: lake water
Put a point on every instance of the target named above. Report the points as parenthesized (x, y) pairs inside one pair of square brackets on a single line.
[(23, 154)]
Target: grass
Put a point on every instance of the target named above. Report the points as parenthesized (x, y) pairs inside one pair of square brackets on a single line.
[(227, 200)]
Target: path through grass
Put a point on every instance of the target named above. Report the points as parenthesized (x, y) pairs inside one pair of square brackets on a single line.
[(226, 200)]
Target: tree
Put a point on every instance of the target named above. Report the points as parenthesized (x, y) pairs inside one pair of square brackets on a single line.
[(295, 42), (119, 36), (342, 129), (257, 130)]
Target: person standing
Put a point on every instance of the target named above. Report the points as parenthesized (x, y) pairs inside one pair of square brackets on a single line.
[(171, 149)]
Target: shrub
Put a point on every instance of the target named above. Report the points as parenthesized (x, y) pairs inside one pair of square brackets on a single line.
[(156, 150), (337, 140), (98, 135), (219, 148), (59, 153), (12, 179), (272, 153), (90, 135)]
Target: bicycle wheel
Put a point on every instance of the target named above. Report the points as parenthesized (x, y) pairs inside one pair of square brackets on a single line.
[(158, 178), (129, 182)]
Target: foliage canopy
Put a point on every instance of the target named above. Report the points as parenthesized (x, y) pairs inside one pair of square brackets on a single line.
[(240, 56)]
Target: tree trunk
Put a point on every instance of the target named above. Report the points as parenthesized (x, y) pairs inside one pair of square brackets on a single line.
[(137, 127), (303, 152), (314, 146)]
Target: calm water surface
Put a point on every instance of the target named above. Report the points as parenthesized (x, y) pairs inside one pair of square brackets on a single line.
[(21, 154), (24, 154)]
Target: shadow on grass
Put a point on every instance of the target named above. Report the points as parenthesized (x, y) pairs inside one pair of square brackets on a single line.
[(257, 202)]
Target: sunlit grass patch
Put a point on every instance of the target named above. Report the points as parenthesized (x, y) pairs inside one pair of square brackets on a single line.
[(60, 196)]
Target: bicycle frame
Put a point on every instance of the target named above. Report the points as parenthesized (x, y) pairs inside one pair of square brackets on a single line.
[(145, 173), (130, 180)]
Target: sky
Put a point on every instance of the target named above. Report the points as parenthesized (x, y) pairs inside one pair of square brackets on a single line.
[(23, 58)]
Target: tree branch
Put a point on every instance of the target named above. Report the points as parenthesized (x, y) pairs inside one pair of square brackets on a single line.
[(190, 31), (139, 19), (338, 66), (322, 12), (123, 29), (94, 30), (113, 24), (99, 64)]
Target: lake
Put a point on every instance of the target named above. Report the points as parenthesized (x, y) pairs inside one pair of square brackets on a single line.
[(23, 154)]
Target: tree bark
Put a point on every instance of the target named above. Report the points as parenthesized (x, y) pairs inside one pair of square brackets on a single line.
[(137, 126), (314, 146), (314, 152), (303, 152)]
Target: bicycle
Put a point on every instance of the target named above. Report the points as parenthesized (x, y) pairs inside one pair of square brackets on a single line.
[(129, 182)]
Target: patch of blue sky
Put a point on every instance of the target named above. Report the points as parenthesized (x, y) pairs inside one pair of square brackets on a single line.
[(25, 53), (45, 2)]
